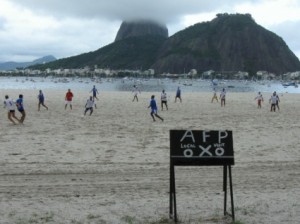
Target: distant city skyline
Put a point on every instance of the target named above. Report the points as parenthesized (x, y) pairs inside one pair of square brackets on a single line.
[(31, 29)]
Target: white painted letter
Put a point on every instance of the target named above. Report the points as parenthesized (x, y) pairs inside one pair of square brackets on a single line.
[(186, 135), (222, 136), (204, 136)]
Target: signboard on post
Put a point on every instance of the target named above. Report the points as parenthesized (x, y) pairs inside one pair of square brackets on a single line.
[(201, 148)]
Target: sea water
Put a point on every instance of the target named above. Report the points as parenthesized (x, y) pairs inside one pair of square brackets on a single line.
[(144, 85)]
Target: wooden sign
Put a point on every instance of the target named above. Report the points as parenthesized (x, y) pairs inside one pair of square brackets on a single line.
[(201, 148)]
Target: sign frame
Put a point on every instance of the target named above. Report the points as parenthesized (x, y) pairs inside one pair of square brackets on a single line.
[(201, 148)]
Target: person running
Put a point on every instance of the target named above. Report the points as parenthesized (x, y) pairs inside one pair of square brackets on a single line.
[(20, 107), (222, 97), (154, 109), (68, 99), (135, 91), (259, 99), (41, 100), (178, 94), (215, 97), (11, 107), (273, 101), (164, 100), (89, 105)]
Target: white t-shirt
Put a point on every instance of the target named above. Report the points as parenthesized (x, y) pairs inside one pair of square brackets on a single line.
[(164, 96), (9, 104), (222, 95), (273, 99), (89, 103)]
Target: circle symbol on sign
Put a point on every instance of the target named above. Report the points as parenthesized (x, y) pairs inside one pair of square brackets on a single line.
[(188, 153), (219, 151)]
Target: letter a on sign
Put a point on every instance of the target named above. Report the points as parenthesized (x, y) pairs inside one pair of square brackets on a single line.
[(188, 134)]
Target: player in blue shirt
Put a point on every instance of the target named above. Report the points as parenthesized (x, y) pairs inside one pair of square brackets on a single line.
[(178, 94), (154, 109), (20, 108), (41, 100)]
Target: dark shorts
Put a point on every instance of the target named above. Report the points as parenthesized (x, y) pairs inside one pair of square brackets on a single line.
[(11, 111), (89, 108), (21, 110)]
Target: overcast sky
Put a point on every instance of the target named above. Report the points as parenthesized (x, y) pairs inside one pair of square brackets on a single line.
[(30, 29)]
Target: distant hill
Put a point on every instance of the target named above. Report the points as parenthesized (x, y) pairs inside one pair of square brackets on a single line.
[(13, 65), (230, 42)]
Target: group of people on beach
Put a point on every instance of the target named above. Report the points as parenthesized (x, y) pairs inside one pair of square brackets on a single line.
[(274, 101), (222, 96), (12, 105)]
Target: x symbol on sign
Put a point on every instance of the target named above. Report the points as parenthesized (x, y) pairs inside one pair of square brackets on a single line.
[(205, 150)]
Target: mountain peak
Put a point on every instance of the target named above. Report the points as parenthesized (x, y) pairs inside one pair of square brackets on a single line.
[(141, 28)]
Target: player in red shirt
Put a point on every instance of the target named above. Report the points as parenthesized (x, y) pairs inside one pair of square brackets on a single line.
[(68, 99)]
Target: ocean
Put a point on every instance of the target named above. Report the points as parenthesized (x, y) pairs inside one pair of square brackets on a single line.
[(145, 85)]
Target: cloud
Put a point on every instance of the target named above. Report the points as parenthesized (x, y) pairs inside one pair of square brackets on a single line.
[(164, 10), (30, 28)]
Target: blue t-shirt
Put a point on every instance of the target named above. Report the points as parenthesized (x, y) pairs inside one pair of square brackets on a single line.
[(153, 104), (41, 97), (19, 103)]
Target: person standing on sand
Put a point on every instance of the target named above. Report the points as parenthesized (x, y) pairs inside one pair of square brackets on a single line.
[(222, 97), (95, 92), (68, 99), (164, 100), (154, 109), (178, 94), (215, 97), (259, 99), (277, 101), (273, 101), (41, 100), (11, 107), (20, 108), (89, 105), (135, 91)]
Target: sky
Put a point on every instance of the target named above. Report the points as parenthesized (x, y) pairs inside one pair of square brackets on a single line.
[(30, 29)]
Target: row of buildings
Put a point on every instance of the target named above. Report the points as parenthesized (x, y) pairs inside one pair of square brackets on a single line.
[(88, 72)]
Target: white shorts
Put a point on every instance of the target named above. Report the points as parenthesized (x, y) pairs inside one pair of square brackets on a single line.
[(68, 102)]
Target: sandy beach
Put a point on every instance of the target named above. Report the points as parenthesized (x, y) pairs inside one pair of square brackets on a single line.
[(113, 166)]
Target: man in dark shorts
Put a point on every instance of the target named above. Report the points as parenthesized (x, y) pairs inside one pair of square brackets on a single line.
[(41, 100), (20, 108), (164, 100), (89, 105), (178, 94), (11, 107)]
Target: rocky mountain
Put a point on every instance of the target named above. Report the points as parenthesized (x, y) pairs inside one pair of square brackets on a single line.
[(230, 42), (227, 43), (13, 65), (141, 28)]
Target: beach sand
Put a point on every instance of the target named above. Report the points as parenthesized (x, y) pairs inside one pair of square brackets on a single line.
[(113, 166)]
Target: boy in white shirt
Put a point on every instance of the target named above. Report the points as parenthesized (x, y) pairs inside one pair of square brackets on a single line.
[(89, 105), (11, 107)]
